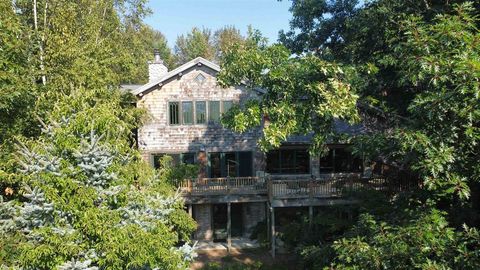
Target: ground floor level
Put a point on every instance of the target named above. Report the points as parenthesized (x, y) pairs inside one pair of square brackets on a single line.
[(290, 159), (219, 221)]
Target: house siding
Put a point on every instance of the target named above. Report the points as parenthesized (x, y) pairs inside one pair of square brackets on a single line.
[(158, 136)]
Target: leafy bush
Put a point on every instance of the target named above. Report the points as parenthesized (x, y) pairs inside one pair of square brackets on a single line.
[(424, 242), (260, 233)]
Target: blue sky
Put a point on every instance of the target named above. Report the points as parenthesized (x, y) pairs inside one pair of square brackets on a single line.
[(176, 17)]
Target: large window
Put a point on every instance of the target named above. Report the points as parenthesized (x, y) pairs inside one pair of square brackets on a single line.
[(213, 111), (340, 160), (234, 164), (188, 158), (288, 161), (227, 105), (187, 112), (173, 109), (201, 112), (185, 158)]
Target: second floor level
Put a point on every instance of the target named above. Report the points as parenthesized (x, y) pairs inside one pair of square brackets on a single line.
[(184, 109)]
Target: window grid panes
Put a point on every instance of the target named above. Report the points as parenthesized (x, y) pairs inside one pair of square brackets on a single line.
[(201, 112), (187, 111), (233, 164), (288, 161), (213, 111), (185, 158), (197, 112), (227, 105)]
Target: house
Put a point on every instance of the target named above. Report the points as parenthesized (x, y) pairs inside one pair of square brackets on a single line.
[(232, 195)]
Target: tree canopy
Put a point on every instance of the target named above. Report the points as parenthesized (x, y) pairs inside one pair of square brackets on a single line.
[(407, 71), (204, 43), (75, 193), (303, 95)]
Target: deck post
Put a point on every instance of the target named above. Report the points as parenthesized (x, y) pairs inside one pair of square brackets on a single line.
[(228, 184), (269, 188), (229, 227), (310, 216), (273, 231), (190, 210), (310, 188), (267, 208)]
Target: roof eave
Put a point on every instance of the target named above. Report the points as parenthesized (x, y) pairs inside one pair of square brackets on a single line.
[(197, 61)]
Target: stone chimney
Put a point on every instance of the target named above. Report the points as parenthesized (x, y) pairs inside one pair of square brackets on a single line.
[(156, 68)]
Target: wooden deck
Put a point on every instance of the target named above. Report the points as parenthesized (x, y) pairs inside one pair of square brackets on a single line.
[(278, 188)]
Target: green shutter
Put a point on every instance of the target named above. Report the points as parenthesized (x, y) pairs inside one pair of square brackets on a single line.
[(173, 110)]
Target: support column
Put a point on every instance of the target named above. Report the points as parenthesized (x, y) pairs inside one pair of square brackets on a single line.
[(310, 216), (190, 210), (272, 228), (229, 227), (267, 217)]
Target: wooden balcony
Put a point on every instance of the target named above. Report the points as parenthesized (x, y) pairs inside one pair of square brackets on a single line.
[(290, 187), (223, 186)]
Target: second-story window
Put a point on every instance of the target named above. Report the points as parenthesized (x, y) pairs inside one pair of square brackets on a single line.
[(201, 112), (184, 112), (187, 112), (227, 105), (213, 111), (174, 113)]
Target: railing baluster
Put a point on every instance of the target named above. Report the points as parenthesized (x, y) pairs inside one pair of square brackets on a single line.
[(290, 187)]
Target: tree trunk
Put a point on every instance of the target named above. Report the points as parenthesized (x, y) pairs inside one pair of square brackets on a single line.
[(35, 23)]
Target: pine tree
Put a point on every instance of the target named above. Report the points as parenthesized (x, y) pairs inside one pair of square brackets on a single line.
[(94, 160), (86, 196)]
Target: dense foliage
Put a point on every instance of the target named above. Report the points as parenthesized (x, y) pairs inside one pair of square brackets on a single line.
[(405, 232), (86, 198), (204, 43), (411, 69), (75, 193), (49, 48), (303, 95)]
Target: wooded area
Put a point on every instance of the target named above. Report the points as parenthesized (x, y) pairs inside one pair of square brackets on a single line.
[(409, 72), (75, 194)]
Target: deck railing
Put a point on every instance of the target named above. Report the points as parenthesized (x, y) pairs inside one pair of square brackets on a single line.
[(333, 187), (295, 187), (226, 185)]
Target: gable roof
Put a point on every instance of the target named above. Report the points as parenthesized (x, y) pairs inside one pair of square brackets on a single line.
[(199, 61)]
